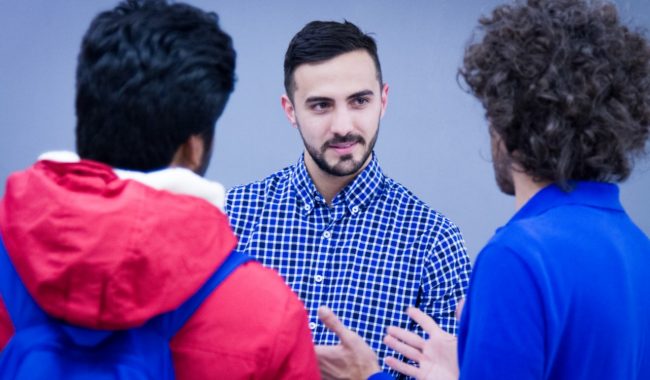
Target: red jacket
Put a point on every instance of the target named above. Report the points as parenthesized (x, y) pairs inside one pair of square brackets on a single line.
[(101, 252)]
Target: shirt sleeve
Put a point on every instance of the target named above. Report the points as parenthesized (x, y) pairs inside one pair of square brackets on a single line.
[(381, 376), (445, 278), (243, 205), (502, 326)]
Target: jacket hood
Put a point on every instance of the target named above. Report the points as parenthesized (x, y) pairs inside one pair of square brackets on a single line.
[(105, 252)]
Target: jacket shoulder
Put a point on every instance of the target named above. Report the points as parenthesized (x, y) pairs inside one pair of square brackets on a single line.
[(251, 324)]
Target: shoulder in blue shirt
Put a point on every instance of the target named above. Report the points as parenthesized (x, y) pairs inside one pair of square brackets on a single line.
[(561, 292)]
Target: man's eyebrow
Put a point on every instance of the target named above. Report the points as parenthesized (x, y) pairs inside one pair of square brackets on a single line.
[(360, 94), (317, 99)]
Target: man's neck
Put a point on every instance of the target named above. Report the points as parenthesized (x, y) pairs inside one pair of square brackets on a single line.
[(328, 185), (525, 187)]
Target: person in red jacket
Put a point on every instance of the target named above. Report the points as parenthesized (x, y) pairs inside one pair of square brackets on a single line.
[(128, 229)]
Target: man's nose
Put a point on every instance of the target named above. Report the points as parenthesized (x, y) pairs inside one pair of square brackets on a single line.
[(342, 123)]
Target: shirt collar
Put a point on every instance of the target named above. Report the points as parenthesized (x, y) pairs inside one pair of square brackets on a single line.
[(594, 194), (306, 192), (356, 195)]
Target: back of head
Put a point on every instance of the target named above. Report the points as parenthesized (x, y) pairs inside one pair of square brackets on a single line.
[(149, 76), (322, 40), (565, 85)]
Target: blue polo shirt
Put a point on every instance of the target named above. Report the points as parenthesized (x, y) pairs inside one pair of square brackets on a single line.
[(561, 292)]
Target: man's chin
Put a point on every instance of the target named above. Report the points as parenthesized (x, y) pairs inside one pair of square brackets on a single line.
[(346, 166), (340, 165), (344, 172)]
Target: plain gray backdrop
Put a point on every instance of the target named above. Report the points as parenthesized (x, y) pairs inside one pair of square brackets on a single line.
[(433, 138)]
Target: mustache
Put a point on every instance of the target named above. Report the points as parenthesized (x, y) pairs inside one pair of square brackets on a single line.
[(345, 139)]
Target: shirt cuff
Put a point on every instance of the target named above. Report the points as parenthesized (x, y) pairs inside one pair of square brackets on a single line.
[(381, 376)]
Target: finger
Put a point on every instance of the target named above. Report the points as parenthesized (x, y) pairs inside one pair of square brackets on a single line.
[(408, 337), (332, 322), (408, 351), (325, 351), (402, 367), (427, 323), (459, 308)]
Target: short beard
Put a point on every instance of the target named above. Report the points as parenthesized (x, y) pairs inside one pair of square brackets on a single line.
[(339, 169), (503, 176), (502, 164)]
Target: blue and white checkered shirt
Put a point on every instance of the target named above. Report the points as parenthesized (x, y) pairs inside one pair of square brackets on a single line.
[(375, 251)]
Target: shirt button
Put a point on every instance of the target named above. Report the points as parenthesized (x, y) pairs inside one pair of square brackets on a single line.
[(312, 325), (307, 207), (318, 278), (327, 234), (355, 209)]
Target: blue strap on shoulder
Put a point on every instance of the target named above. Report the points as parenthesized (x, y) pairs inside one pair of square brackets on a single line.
[(171, 322), (25, 312), (22, 309)]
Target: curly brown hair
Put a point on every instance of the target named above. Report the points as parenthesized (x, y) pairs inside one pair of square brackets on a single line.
[(565, 85)]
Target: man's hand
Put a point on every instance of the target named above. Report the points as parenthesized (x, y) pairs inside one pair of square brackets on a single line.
[(351, 359), (459, 308), (436, 357)]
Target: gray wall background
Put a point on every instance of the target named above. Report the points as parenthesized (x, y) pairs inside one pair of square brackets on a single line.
[(433, 138)]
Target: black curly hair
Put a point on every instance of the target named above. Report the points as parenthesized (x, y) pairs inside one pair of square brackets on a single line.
[(565, 85)]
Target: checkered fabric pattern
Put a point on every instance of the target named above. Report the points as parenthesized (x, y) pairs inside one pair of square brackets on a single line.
[(375, 251)]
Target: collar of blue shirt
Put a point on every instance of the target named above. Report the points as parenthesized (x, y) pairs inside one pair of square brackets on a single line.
[(594, 194), (356, 195)]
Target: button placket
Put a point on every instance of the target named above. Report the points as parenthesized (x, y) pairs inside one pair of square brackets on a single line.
[(318, 271)]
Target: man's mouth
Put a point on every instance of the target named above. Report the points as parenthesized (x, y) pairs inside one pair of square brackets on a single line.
[(343, 147)]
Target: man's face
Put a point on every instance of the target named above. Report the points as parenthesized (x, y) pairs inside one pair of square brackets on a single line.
[(502, 164), (337, 105)]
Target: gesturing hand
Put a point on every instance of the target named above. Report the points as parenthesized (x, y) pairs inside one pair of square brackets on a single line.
[(351, 359), (436, 357)]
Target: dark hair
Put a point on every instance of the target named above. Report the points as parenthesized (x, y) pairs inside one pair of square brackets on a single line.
[(322, 40), (565, 85), (149, 76)]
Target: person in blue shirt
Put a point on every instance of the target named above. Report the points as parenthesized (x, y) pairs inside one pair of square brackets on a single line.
[(340, 232), (560, 291)]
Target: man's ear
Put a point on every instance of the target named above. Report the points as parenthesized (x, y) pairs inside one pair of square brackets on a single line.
[(384, 100), (289, 110), (190, 154)]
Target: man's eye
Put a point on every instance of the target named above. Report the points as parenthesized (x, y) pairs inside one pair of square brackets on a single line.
[(320, 106), (361, 101)]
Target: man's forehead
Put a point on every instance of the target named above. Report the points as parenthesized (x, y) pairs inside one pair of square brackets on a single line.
[(341, 76)]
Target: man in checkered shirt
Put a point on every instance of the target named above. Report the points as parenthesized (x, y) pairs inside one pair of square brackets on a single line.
[(339, 231)]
